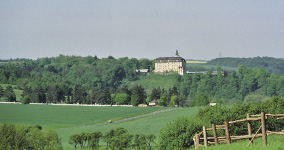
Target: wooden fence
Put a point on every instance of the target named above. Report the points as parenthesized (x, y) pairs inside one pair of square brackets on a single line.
[(227, 139)]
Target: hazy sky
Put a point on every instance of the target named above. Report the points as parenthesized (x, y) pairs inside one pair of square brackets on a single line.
[(141, 28)]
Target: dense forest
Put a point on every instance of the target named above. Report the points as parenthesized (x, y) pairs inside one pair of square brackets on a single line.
[(93, 80), (273, 65), (87, 71)]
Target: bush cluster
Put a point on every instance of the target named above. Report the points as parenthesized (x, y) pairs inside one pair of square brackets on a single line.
[(12, 137)]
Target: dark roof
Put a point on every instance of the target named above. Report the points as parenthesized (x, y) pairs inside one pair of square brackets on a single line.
[(170, 59)]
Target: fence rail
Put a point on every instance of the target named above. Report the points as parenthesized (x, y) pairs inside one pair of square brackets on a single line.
[(228, 138)]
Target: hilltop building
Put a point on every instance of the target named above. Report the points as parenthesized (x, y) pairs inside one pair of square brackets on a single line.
[(168, 64)]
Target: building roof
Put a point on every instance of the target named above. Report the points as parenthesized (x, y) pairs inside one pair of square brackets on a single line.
[(170, 59), (142, 70)]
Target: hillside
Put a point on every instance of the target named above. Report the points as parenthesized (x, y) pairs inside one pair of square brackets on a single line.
[(151, 81), (90, 80), (273, 65)]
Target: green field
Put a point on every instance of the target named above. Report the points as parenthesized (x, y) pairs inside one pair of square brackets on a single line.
[(68, 120), (17, 92), (147, 125), (66, 116)]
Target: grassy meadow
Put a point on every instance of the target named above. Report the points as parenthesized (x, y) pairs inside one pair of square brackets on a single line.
[(153, 81), (66, 116), (146, 125)]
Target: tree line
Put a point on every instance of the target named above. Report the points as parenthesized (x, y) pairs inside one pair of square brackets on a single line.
[(121, 96), (232, 88), (118, 138), (70, 70), (81, 95), (273, 65)]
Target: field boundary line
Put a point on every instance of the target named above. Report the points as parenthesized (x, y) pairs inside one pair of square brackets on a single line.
[(131, 118)]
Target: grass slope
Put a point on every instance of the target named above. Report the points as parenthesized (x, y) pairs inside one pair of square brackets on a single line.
[(274, 142), (153, 81)]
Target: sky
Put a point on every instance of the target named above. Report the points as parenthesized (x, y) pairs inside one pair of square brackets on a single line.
[(201, 30)]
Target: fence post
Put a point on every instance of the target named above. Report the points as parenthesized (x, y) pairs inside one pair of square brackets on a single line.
[(205, 136), (196, 141), (228, 138), (215, 134), (264, 138), (249, 126)]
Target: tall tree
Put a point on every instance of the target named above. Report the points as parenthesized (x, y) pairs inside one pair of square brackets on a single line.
[(1, 92), (79, 94), (38, 95), (9, 94), (104, 97), (138, 95), (94, 139)]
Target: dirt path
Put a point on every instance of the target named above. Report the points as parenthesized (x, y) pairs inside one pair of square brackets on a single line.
[(131, 118)]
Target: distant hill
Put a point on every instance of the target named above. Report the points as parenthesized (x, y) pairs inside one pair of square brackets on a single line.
[(273, 65)]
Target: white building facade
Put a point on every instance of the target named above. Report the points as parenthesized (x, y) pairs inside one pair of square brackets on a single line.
[(170, 64)]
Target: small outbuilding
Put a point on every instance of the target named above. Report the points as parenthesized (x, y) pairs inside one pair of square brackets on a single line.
[(153, 103), (142, 105)]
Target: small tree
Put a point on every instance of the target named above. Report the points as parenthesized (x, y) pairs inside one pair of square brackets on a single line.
[(139, 141), (202, 99), (108, 138), (119, 138), (26, 100), (94, 139), (74, 140), (150, 139), (163, 100), (84, 138), (174, 100)]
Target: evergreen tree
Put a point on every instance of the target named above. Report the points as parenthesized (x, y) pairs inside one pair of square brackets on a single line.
[(79, 94), (1, 92), (9, 94), (138, 95), (38, 95)]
